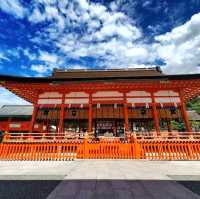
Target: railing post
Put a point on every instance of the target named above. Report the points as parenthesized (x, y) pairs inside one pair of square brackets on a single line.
[(137, 149), (85, 148)]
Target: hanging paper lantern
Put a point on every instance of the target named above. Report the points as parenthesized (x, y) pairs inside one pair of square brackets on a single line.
[(143, 111), (173, 110)]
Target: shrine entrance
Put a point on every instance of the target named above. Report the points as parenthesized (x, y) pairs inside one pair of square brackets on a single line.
[(49, 118), (141, 120), (108, 120), (170, 119), (76, 120)]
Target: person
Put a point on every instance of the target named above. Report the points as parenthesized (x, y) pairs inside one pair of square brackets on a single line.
[(1, 136)]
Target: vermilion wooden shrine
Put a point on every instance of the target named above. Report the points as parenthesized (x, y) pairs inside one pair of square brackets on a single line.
[(103, 103)]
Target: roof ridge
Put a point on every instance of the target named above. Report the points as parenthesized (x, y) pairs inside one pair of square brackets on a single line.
[(157, 68), (15, 105)]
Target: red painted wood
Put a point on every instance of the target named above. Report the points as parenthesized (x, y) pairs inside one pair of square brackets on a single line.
[(34, 115), (125, 113), (62, 114), (184, 114), (155, 115), (90, 114)]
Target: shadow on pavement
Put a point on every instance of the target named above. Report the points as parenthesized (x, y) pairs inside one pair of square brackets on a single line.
[(95, 189)]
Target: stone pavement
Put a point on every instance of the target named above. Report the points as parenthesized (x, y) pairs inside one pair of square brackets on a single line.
[(138, 179)]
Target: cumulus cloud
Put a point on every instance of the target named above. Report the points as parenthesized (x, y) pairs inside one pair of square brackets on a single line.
[(80, 29), (47, 57), (13, 7), (40, 69), (76, 30), (180, 48)]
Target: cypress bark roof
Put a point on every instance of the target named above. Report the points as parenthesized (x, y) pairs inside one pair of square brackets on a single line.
[(120, 73)]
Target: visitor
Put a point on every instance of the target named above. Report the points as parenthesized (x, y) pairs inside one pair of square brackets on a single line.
[(1, 136)]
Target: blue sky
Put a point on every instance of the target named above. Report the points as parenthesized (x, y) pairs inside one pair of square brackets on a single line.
[(39, 35)]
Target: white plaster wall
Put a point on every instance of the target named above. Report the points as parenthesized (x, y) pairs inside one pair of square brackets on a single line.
[(167, 99), (107, 94), (139, 100), (138, 93), (77, 101), (107, 99), (50, 95), (77, 94), (166, 93), (49, 101)]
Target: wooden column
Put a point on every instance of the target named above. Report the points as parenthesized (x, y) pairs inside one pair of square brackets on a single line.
[(155, 115), (125, 113), (34, 115), (62, 115), (185, 114), (90, 113)]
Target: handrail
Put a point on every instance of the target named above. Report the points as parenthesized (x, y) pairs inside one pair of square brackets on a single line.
[(64, 136)]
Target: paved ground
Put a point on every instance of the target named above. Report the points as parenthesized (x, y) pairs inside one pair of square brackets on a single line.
[(100, 179)]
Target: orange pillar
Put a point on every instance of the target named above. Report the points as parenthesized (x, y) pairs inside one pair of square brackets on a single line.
[(34, 115), (155, 115), (185, 114), (62, 116), (125, 113), (90, 114)]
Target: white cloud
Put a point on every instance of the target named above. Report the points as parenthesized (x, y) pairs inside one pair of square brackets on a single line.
[(50, 13), (30, 55), (40, 69), (47, 57), (78, 67), (180, 48), (6, 97), (110, 35), (13, 7), (3, 57), (36, 16), (84, 4), (49, 60), (82, 28)]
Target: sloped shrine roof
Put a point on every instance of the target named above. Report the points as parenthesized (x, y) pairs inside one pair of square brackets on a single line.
[(111, 73), (16, 110), (28, 88)]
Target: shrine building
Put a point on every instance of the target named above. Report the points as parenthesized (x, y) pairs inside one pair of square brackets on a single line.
[(113, 103)]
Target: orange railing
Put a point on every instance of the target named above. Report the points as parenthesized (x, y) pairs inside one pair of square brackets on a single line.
[(53, 137), (39, 151), (171, 149), (41, 137)]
